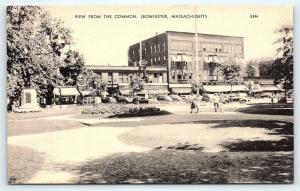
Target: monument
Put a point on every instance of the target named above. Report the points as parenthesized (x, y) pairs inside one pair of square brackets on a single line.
[(29, 101)]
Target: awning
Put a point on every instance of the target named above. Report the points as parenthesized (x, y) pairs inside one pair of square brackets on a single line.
[(66, 91), (224, 88), (125, 92), (186, 58), (85, 93), (154, 91), (270, 88), (176, 58), (257, 88), (215, 59), (205, 59), (185, 90)]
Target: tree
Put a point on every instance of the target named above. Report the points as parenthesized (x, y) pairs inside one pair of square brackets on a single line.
[(252, 69), (283, 65), (71, 67), (231, 72), (88, 79), (35, 43), (137, 85)]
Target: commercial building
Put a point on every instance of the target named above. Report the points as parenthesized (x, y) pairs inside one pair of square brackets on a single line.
[(177, 52), (118, 78)]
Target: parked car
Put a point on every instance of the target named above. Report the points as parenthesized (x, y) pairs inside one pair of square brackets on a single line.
[(224, 99), (164, 98), (175, 97), (136, 100), (237, 98), (124, 99)]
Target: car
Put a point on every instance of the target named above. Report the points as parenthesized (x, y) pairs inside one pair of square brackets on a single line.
[(137, 100), (224, 99), (175, 97), (164, 98), (124, 99), (237, 98)]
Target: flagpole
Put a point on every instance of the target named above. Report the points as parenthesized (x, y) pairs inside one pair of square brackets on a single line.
[(196, 53)]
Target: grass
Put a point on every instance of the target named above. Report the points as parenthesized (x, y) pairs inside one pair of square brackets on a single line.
[(23, 162), (269, 109), (26, 127), (189, 167)]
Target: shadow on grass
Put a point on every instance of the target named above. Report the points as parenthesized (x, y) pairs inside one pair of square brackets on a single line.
[(282, 128), (269, 109), (188, 167)]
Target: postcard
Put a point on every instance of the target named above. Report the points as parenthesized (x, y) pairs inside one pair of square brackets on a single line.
[(177, 94)]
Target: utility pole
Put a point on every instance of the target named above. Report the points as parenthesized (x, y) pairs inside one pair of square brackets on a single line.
[(196, 54)]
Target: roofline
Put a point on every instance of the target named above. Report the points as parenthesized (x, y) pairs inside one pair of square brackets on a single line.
[(203, 34)]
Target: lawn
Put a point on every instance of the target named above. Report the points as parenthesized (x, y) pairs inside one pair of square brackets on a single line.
[(23, 162), (189, 167)]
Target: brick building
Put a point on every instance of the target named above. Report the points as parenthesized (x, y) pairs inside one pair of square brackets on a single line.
[(176, 51)]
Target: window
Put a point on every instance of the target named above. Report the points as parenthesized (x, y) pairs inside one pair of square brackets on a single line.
[(158, 48), (216, 49), (132, 52), (120, 77), (154, 59), (164, 46), (204, 49), (150, 48), (125, 78), (155, 75), (164, 57), (151, 61), (158, 58), (220, 50), (154, 48)]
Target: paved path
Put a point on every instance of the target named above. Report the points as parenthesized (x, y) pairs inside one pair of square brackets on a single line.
[(72, 147)]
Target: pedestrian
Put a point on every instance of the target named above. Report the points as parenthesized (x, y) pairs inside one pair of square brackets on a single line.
[(216, 100), (193, 105)]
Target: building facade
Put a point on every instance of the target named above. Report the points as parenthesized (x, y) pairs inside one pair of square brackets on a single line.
[(119, 78), (177, 52)]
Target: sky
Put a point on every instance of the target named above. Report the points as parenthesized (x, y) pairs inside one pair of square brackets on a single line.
[(105, 41)]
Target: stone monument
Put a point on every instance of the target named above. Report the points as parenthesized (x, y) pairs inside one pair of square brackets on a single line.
[(29, 101)]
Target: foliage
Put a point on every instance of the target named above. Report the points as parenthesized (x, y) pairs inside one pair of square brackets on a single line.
[(88, 79), (283, 65), (231, 72), (266, 70), (71, 67), (35, 43), (137, 85), (252, 69)]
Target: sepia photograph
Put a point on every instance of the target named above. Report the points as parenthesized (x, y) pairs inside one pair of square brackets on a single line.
[(174, 94)]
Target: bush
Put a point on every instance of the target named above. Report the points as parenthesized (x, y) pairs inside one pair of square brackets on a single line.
[(117, 110)]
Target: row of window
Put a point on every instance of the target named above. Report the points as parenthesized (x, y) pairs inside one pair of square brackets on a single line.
[(156, 48), (208, 47), (157, 59), (153, 49)]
